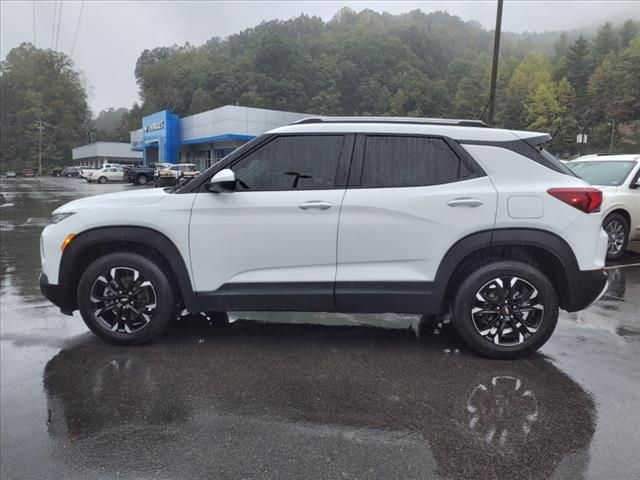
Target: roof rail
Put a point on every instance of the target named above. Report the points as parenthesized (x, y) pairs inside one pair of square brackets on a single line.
[(406, 120)]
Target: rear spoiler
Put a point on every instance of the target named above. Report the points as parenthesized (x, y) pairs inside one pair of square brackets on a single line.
[(532, 138)]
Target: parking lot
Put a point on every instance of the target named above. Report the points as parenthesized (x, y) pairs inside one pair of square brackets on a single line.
[(304, 396)]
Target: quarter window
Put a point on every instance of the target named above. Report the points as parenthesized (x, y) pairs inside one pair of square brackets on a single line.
[(291, 163), (409, 161)]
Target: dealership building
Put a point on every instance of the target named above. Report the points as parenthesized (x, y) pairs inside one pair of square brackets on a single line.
[(96, 154), (206, 137)]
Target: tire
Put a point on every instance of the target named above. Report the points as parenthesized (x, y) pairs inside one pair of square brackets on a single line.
[(103, 180), (517, 334), (125, 320), (617, 229), (142, 180)]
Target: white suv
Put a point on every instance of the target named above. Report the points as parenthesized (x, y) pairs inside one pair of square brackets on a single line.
[(344, 215), (618, 177)]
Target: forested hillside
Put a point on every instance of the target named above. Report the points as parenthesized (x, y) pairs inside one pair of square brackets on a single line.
[(414, 64), (363, 63), (40, 88)]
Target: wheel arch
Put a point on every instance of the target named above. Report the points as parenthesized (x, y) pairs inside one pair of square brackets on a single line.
[(621, 211), (94, 243), (545, 250)]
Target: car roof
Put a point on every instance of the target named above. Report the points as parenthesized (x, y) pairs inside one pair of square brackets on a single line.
[(605, 157), (461, 130)]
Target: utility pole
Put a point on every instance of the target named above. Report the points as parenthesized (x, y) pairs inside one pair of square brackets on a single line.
[(494, 67), (40, 125)]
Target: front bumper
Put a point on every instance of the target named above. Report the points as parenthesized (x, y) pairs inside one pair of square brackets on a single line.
[(57, 294), (586, 288)]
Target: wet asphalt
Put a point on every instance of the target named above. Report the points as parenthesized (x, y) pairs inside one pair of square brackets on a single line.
[(304, 396)]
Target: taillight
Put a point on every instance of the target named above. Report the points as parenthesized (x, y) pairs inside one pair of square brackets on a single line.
[(587, 199)]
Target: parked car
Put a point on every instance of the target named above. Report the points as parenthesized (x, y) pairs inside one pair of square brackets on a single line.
[(28, 172), (84, 172), (106, 174), (56, 171), (171, 175), (618, 177), (11, 174), (70, 172), (356, 214), (142, 175)]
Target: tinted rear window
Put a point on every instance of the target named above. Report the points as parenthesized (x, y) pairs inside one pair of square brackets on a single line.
[(408, 162)]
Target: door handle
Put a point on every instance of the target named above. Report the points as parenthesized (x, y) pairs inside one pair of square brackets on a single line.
[(465, 202), (315, 204)]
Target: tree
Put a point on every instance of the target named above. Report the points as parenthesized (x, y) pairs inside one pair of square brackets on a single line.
[(525, 81), (201, 101), (627, 32), (578, 73), (107, 125), (40, 85), (605, 42)]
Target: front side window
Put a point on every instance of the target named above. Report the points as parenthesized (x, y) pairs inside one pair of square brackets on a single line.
[(408, 162), (291, 163)]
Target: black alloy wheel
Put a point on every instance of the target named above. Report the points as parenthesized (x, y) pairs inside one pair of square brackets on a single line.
[(505, 309), (126, 298), (123, 300)]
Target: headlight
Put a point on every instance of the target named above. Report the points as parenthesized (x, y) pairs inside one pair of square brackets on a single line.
[(58, 217)]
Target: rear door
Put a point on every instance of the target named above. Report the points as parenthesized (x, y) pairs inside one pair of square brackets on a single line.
[(409, 199)]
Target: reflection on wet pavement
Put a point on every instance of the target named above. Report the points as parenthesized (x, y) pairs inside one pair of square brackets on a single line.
[(284, 400)]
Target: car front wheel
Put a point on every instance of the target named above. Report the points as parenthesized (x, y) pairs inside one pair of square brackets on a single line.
[(125, 298), (103, 180), (505, 310), (142, 180), (617, 229)]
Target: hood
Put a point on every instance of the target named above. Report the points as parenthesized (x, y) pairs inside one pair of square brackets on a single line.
[(116, 199)]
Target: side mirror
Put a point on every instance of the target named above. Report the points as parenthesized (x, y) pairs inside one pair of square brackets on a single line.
[(222, 182), (636, 184)]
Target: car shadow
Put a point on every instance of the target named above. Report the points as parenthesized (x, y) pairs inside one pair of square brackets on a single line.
[(208, 392)]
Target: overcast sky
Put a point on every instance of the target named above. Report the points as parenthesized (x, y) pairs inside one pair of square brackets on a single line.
[(112, 34)]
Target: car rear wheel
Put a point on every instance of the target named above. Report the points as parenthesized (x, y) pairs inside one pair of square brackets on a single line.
[(505, 309), (125, 298), (142, 180), (617, 229), (103, 180)]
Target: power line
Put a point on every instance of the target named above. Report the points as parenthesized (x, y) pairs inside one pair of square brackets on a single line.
[(59, 22), (53, 26), (75, 36), (34, 23)]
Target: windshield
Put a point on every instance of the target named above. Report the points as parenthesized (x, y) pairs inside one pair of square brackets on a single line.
[(604, 173)]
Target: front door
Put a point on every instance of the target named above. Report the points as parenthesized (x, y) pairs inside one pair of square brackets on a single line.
[(271, 245)]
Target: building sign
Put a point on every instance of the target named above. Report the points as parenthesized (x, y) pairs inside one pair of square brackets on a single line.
[(152, 127)]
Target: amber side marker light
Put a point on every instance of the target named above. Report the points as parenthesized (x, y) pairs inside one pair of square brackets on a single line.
[(66, 241)]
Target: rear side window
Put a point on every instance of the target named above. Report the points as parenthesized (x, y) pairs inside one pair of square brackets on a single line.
[(291, 163), (409, 162)]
